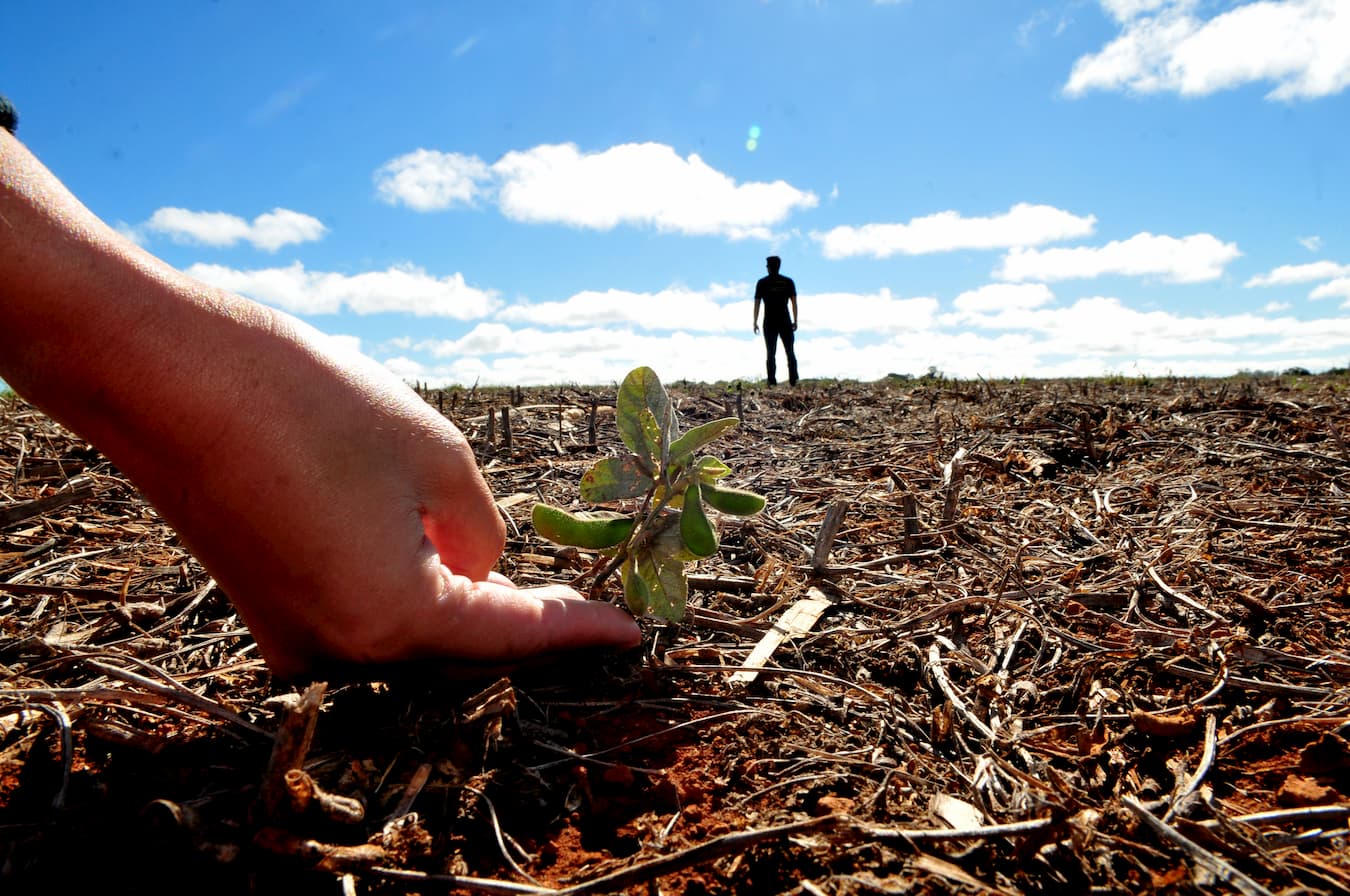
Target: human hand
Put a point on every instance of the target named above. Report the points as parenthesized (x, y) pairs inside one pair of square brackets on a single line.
[(351, 528), (794, 326), (344, 518), (756, 328)]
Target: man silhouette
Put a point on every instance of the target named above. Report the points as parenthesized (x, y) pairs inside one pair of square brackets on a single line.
[(776, 291)]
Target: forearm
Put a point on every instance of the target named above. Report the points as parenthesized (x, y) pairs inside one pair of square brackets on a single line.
[(92, 329)]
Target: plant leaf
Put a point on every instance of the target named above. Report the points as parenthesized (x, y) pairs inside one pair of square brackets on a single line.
[(613, 478), (696, 530), (710, 469), (636, 592), (674, 590), (642, 390), (668, 542), (663, 585), (653, 437), (684, 447)]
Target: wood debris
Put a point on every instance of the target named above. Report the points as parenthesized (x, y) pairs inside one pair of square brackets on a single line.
[(1063, 636)]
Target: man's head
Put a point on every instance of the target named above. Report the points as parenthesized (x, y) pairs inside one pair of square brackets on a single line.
[(774, 263)]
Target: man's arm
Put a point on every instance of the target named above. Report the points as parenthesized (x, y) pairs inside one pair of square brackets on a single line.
[(756, 320), (794, 312), (345, 519)]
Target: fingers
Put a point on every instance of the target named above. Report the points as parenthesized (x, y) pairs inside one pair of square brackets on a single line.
[(491, 622), (459, 516)]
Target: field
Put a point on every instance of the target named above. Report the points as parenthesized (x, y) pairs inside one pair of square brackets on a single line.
[(1036, 637)]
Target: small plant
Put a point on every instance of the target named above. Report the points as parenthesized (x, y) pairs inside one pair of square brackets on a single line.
[(674, 487)]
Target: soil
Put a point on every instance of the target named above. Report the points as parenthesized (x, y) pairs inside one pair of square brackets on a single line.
[(1077, 636)]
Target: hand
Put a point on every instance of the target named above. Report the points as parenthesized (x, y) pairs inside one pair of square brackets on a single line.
[(756, 328), (794, 326), (345, 519), (349, 524)]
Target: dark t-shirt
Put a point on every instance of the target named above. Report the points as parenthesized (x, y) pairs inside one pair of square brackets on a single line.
[(775, 290)]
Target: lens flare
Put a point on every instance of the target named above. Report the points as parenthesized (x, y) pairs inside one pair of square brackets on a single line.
[(752, 143)]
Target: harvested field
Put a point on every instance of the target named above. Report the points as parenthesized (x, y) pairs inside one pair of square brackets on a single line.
[(1037, 637)]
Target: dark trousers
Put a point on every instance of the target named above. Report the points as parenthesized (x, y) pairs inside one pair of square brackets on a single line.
[(775, 330)]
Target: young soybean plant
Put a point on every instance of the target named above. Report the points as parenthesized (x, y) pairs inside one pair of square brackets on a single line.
[(675, 486)]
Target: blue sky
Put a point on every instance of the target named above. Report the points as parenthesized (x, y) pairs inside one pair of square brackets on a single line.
[(556, 192)]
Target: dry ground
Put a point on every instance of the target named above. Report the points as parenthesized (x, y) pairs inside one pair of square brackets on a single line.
[(1073, 637)]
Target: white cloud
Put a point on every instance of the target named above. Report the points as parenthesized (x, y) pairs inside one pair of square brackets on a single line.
[(1103, 324), (1027, 30), (863, 313), (427, 180), (269, 231), (643, 184), (1336, 289), (405, 368), (673, 308), (1022, 225), (407, 289), (722, 308), (1286, 274), (1301, 46), (493, 353), (635, 184), (1273, 307), (1002, 297), (344, 343), (1311, 243), (282, 227), (1125, 10), (999, 330), (1191, 259)]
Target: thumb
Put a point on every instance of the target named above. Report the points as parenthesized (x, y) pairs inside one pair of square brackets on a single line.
[(459, 516)]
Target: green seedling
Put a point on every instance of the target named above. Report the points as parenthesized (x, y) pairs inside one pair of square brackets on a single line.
[(672, 487)]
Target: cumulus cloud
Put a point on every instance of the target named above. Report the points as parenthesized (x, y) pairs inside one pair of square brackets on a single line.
[(1287, 274), (633, 184), (1022, 225), (1300, 46), (996, 330), (344, 343), (1191, 259), (722, 308), (673, 308), (1001, 297), (427, 180), (407, 289), (269, 231), (1336, 289), (880, 312)]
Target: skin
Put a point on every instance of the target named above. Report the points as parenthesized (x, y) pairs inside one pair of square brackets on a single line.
[(346, 520)]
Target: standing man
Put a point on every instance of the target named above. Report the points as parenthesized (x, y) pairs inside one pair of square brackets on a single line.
[(776, 291)]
